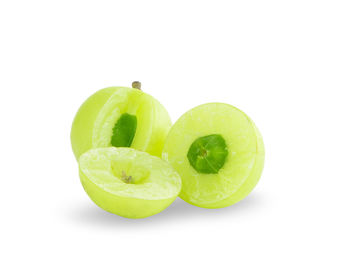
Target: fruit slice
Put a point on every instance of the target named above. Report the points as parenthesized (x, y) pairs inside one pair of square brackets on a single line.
[(218, 152), (121, 117), (128, 182)]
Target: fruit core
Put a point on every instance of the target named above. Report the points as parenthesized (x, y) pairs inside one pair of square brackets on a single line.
[(124, 130), (129, 173), (125, 178), (208, 154)]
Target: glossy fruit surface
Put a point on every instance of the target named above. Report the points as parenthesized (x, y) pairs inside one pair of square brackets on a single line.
[(128, 182), (218, 152), (121, 117)]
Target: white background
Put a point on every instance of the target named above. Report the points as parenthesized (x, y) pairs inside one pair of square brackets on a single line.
[(285, 63)]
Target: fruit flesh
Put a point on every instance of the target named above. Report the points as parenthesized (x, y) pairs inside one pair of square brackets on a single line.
[(251, 180), (243, 165), (95, 120), (128, 182)]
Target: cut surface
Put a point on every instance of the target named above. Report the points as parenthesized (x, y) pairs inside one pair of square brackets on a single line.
[(149, 177), (121, 117), (206, 185), (128, 182), (126, 118)]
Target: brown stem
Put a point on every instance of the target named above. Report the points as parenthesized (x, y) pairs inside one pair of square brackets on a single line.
[(136, 84)]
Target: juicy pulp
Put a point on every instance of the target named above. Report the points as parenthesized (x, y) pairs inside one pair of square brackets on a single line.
[(128, 182), (242, 167), (96, 120)]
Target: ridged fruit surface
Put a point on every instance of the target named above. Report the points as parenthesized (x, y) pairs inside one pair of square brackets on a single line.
[(128, 182), (233, 137)]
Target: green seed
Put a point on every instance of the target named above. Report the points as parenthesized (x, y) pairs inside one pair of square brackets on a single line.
[(124, 131), (208, 154)]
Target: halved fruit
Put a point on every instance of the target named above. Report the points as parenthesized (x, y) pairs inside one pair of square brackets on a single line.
[(120, 117), (218, 152), (128, 182)]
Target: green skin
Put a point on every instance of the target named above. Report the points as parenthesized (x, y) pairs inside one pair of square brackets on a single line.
[(128, 182), (95, 124), (219, 154)]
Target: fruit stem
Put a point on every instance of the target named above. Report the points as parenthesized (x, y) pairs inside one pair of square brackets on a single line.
[(136, 84)]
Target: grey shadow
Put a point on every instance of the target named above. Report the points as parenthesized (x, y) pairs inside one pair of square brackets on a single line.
[(88, 213)]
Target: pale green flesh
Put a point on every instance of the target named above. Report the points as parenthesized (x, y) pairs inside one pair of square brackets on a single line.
[(208, 154), (128, 182), (130, 173), (95, 120), (124, 131), (237, 130), (125, 120)]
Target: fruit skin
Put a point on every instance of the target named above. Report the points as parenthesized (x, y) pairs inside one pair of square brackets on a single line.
[(251, 179), (128, 207), (84, 122)]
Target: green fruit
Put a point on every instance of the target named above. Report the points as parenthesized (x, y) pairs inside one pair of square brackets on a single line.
[(121, 117), (218, 152), (128, 182)]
